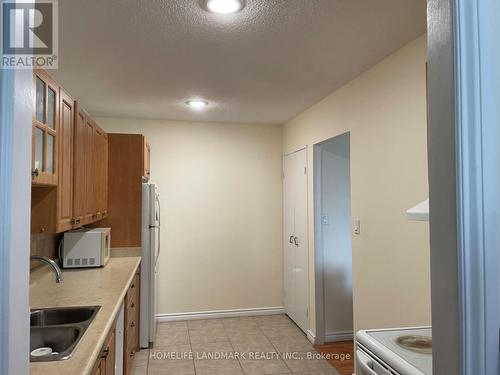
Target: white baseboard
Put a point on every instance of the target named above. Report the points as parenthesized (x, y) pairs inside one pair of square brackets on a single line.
[(220, 314), (339, 336), (311, 336)]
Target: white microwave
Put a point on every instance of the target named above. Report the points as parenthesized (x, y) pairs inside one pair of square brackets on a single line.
[(86, 247)]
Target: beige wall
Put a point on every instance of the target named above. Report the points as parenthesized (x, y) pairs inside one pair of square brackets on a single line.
[(221, 197), (384, 110)]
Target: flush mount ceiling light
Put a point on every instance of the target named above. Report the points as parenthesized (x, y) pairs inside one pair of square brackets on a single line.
[(197, 104), (224, 6)]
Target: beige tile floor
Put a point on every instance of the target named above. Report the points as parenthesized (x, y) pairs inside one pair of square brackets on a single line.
[(192, 347)]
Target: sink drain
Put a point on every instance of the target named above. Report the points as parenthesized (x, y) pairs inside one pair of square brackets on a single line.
[(41, 352)]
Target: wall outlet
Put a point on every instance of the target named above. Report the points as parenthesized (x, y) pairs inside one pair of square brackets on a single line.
[(357, 226)]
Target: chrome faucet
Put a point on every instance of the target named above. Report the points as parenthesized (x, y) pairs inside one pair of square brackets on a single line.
[(50, 262)]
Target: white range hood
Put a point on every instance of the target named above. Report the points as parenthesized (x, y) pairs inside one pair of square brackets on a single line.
[(420, 212)]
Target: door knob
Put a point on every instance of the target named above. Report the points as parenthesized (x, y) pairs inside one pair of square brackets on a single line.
[(291, 239), (296, 241)]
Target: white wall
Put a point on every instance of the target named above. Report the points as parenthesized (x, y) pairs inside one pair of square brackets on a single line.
[(385, 111), (221, 196), (336, 235)]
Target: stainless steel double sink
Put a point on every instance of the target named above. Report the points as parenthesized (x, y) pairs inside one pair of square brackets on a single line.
[(59, 329)]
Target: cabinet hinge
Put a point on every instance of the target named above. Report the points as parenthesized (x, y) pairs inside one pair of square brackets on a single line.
[(305, 170)]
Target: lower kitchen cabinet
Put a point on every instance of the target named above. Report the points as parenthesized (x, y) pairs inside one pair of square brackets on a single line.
[(131, 329), (110, 355), (99, 368), (105, 364)]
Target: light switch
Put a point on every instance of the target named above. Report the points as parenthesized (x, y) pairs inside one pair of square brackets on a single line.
[(325, 220), (357, 226)]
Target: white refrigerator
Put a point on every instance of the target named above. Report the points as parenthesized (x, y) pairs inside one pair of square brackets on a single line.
[(150, 243)]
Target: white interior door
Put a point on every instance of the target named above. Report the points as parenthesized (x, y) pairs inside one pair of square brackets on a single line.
[(296, 257)]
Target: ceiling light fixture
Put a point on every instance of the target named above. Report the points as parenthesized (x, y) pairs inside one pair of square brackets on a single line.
[(197, 104), (224, 6)]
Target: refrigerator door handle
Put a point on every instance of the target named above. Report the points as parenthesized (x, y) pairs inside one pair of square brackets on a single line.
[(159, 225)]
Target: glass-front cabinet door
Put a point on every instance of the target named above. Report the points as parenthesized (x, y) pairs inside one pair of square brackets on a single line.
[(45, 127)]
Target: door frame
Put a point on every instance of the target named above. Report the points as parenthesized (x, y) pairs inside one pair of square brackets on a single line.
[(463, 53), (15, 210), (319, 252), (478, 182), (285, 154), (4, 218), (293, 151), (319, 281)]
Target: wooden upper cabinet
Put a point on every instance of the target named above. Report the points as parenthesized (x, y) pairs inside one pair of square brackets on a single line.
[(90, 170), (80, 167), (126, 172), (99, 173), (64, 219), (96, 172), (104, 176), (89, 213), (147, 160), (45, 129), (70, 155)]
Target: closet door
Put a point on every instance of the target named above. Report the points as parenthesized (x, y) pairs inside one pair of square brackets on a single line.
[(296, 257)]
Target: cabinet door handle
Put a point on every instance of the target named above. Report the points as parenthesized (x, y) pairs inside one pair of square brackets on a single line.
[(132, 305), (132, 325), (296, 241), (291, 239), (105, 353), (132, 286), (35, 172)]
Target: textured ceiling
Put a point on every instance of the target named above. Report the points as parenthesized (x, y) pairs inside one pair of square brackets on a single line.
[(145, 58)]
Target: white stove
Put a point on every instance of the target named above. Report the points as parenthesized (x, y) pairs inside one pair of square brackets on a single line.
[(398, 351)]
